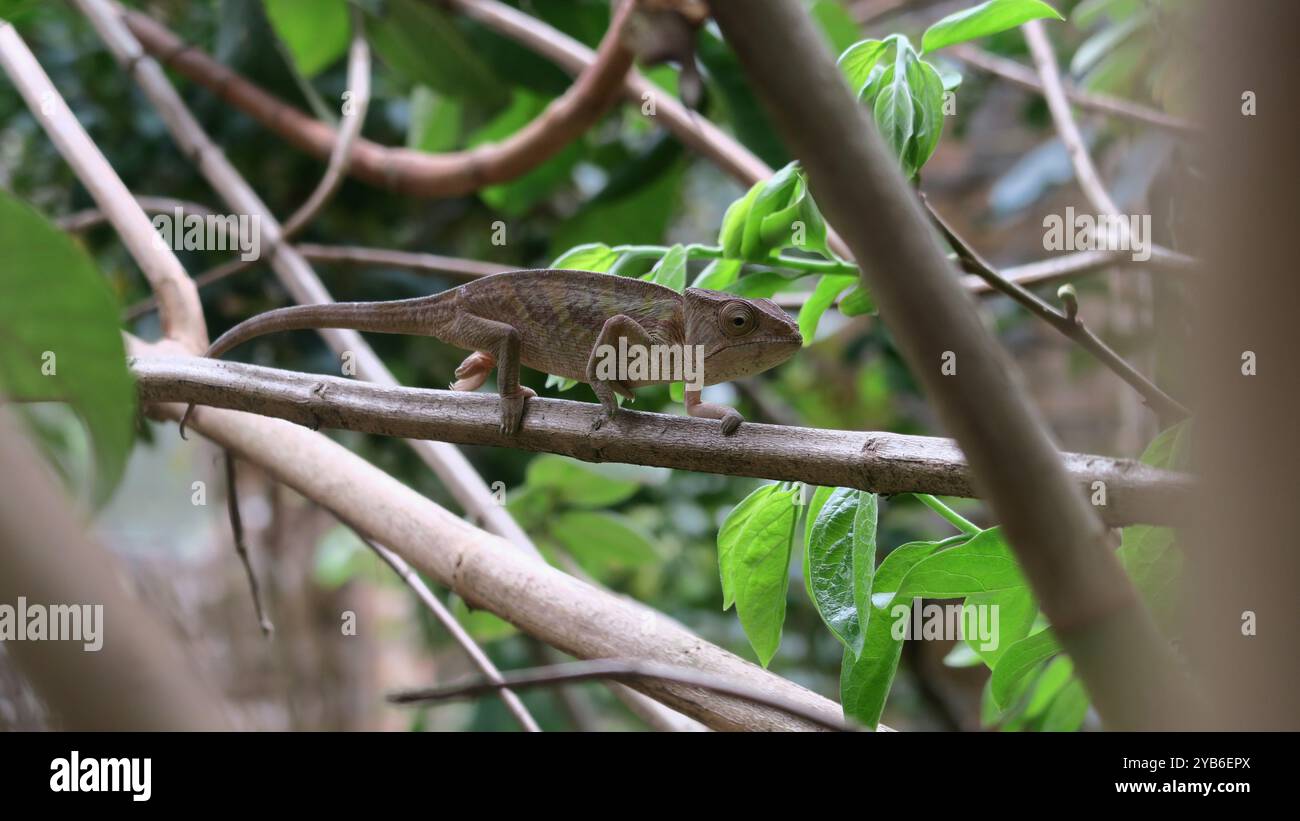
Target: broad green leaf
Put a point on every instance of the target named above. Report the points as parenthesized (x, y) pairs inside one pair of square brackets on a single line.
[(927, 90), (718, 274), (984, 564), (983, 20), (1019, 660), (577, 483), (59, 336), (1016, 610), (560, 383), (823, 296), (315, 31), (865, 681), (1170, 447), (760, 285), (1052, 680), (730, 532), (484, 626), (758, 566), (896, 566), (677, 392), (894, 111), (835, 23), (598, 539), (670, 270), (857, 302), (1068, 709), (423, 45), (840, 557), (594, 256), (859, 59), (435, 121), (773, 195)]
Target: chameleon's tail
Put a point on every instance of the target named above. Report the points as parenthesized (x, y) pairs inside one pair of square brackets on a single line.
[(421, 316)]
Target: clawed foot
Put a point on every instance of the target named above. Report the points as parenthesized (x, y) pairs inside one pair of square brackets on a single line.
[(731, 421), (512, 409)]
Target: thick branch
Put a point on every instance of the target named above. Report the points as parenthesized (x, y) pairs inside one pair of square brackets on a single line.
[(558, 609), (879, 462), (1124, 662), (401, 169)]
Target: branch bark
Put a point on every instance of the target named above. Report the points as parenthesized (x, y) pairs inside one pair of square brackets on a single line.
[(1127, 667), (556, 608), (878, 462), (401, 169)]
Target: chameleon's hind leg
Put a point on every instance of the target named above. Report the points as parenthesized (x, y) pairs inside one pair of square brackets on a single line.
[(495, 343), (616, 327)]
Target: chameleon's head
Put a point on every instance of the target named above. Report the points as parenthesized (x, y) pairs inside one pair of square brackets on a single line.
[(740, 336)]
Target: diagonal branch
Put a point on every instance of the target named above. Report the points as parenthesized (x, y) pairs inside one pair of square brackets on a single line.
[(1166, 408), (401, 169), (182, 315), (878, 462)]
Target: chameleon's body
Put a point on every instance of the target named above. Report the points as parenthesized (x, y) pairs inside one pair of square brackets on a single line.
[(553, 321)]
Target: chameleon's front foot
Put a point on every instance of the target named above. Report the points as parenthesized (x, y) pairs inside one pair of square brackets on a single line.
[(512, 409)]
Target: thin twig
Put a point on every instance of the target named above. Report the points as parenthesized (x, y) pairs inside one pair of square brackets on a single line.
[(617, 670), (340, 159), (241, 548), (1168, 409), (458, 633), (875, 461), (1025, 77)]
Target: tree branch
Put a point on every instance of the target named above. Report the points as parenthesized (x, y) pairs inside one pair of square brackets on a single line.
[(878, 462), (182, 315), (406, 170), (1125, 664), (1019, 75), (617, 670), (448, 463), (1166, 408), (558, 609)]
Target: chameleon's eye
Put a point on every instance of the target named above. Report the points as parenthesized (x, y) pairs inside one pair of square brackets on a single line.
[(737, 318)]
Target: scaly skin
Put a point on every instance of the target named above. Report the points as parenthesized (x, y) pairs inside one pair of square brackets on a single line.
[(553, 321)]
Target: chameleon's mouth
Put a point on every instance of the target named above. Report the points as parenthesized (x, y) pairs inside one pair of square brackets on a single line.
[(768, 340)]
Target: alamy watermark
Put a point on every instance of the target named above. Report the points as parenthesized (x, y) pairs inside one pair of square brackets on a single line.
[(1104, 232), (651, 363), (210, 232), (53, 622)]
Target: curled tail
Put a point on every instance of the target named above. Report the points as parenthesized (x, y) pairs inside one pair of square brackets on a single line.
[(421, 316)]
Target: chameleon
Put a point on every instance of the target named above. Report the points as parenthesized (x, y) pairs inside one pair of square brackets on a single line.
[(555, 321)]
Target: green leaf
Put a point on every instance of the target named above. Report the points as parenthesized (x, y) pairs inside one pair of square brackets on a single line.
[(59, 336), (983, 20), (315, 31), (560, 383), (677, 392), (894, 111), (435, 121), (857, 302), (484, 626), (760, 285), (757, 564), (835, 23), (423, 45), (1052, 680), (927, 89), (670, 270), (1019, 660), (1170, 448), (599, 539), (841, 557), (1016, 609), (732, 234), (897, 564), (576, 483), (730, 532), (1068, 709), (773, 195), (859, 59), (718, 274), (822, 297), (593, 256), (984, 564)]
